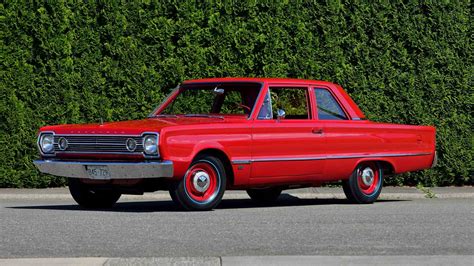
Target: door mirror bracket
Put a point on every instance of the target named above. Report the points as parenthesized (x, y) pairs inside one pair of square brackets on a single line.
[(281, 114)]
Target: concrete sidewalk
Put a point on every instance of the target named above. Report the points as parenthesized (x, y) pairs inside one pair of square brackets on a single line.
[(251, 260), (388, 193)]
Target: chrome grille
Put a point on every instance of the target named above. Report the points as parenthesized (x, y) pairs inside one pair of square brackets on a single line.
[(98, 144)]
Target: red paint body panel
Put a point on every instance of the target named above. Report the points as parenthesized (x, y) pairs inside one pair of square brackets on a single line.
[(271, 152)]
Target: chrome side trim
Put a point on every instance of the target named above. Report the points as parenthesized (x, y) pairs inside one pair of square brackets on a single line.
[(289, 159), (118, 170), (241, 161), (329, 157), (378, 155)]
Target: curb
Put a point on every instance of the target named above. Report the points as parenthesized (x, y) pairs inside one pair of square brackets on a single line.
[(251, 260)]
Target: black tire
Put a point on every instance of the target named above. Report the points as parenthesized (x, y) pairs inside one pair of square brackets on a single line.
[(184, 193), (173, 196), (87, 197), (266, 195), (364, 193), (347, 191)]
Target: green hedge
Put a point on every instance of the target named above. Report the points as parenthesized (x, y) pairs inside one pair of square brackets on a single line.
[(404, 62)]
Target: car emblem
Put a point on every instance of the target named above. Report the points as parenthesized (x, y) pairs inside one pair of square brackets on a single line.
[(131, 145)]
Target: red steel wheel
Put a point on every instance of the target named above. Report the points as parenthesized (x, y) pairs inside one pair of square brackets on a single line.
[(201, 182), (367, 178), (203, 185), (365, 183)]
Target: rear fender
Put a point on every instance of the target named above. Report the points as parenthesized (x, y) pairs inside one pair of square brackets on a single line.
[(388, 161)]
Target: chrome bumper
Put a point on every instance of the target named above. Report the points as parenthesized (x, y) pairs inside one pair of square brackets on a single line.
[(435, 160), (117, 170)]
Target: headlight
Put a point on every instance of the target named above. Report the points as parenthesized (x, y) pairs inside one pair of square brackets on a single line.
[(47, 143), (150, 144)]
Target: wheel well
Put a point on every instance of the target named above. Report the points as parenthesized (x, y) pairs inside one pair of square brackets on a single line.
[(387, 167), (224, 159)]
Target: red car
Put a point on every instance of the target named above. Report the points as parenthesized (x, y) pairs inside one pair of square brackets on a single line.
[(262, 135)]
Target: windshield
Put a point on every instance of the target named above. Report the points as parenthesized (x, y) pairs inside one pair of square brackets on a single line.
[(212, 99)]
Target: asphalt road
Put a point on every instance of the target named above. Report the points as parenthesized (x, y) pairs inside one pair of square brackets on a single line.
[(59, 228)]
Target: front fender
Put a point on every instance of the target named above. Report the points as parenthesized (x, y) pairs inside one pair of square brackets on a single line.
[(183, 159)]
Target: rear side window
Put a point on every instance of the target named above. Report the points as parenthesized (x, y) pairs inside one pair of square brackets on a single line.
[(328, 107)]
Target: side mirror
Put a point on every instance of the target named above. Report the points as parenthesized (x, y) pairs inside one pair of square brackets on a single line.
[(218, 91), (281, 114)]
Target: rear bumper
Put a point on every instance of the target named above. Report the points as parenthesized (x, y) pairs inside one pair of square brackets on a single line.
[(116, 170), (435, 160)]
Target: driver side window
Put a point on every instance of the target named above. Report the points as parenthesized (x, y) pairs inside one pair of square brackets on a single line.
[(293, 101), (231, 103)]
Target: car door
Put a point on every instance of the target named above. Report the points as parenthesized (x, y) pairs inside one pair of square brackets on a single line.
[(345, 138), (289, 147)]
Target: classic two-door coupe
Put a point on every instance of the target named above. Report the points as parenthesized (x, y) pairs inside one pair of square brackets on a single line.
[(262, 135)]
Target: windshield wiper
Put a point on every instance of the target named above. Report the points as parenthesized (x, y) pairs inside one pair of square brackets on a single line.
[(164, 115), (204, 115)]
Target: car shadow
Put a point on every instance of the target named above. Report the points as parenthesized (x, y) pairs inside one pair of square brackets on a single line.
[(285, 200)]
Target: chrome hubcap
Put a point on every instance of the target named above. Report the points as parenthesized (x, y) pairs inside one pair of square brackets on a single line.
[(201, 181), (367, 176)]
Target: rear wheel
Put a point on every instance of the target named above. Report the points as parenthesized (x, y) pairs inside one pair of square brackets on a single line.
[(203, 185), (86, 196), (365, 183), (266, 195)]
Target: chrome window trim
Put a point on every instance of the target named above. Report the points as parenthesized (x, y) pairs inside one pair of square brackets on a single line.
[(166, 99), (249, 117), (289, 86), (263, 104), (329, 157)]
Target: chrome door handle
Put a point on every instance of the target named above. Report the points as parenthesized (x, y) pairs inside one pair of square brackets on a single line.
[(317, 131)]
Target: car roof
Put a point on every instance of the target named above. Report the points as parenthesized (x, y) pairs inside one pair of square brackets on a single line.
[(355, 111), (259, 80)]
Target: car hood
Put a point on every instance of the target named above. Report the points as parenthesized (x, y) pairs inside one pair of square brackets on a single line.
[(131, 127)]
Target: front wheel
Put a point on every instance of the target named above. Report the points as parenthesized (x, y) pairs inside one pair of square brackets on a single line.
[(365, 183), (203, 185), (86, 196)]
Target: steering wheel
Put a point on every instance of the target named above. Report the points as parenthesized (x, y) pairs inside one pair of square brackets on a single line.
[(244, 107)]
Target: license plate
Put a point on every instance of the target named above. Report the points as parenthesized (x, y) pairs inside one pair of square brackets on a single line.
[(98, 171)]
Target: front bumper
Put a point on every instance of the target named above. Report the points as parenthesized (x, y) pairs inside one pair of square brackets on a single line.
[(116, 170)]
